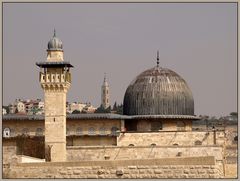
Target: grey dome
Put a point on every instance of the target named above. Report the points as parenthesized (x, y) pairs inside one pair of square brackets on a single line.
[(158, 91), (55, 43)]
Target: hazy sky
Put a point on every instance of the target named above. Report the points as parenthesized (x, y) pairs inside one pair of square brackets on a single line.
[(196, 40)]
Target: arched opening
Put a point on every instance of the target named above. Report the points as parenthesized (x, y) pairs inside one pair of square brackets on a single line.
[(102, 131), (198, 142), (79, 131), (39, 132), (25, 131), (114, 131), (91, 131), (181, 126), (6, 132), (156, 125)]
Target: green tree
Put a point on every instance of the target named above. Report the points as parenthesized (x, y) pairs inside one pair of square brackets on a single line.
[(120, 109), (102, 110), (7, 109), (115, 106), (234, 114), (76, 112)]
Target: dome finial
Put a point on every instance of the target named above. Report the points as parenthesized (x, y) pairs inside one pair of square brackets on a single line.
[(105, 77), (157, 58), (54, 35)]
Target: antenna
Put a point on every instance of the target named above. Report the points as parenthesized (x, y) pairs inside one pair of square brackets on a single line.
[(157, 58)]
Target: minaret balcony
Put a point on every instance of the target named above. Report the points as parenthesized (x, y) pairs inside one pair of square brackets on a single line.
[(55, 78)]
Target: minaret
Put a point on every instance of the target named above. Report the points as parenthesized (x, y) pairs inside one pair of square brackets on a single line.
[(55, 79), (105, 93)]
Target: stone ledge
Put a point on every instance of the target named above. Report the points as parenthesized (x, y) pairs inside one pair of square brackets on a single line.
[(206, 160)]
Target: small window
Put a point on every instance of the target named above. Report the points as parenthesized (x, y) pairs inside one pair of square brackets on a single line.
[(131, 145), (91, 131), (67, 131), (156, 125), (180, 126), (153, 145), (175, 144), (102, 131), (114, 131), (25, 131), (6, 132), (198, 142), (39, 132), (79, 131)]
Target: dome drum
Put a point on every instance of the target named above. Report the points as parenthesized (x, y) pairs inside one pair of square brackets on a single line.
[(55, 43)]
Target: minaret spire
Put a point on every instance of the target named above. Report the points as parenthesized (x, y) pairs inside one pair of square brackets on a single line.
[(105, 91), (157, 58), (54, 35), (105, 78)]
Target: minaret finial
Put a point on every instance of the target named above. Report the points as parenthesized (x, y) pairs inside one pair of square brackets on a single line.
[(105, 77), (54, 33), (157, 58)]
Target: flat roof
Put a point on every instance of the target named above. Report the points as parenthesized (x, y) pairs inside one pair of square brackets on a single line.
[(99, 116)]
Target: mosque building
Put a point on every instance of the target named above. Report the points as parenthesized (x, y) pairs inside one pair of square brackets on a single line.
[(158, 110)]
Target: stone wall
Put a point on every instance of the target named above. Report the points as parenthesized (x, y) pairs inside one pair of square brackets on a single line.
[(195, 167), (9, 150), (74, 127), (76, 153), (170, 138)]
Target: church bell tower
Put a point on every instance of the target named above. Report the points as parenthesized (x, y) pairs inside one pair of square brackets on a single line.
[(55, 79)]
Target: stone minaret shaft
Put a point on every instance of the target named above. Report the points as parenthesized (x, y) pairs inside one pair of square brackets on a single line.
[(105, 94), (55, 79)]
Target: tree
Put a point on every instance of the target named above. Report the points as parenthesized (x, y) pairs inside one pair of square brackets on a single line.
[(115, 106), (102, 110), (7, 109), (108, 110), (234, 114), (120, 109), (76, 112)]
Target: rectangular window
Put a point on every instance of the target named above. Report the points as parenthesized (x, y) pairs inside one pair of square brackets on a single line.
[(156, 125)]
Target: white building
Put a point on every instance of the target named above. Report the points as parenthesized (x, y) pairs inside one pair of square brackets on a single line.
[(20, 107), (4, 111)]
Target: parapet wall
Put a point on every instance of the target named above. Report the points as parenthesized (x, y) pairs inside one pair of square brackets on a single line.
[(76, 153), (9, 150), (193, 167), (186, 138)]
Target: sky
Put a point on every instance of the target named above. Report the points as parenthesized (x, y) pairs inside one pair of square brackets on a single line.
[(196, 40)]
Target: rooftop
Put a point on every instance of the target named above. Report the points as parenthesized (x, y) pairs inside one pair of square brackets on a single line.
[(96, 116)]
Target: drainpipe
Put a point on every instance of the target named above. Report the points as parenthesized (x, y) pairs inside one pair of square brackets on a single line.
[(214, 135)]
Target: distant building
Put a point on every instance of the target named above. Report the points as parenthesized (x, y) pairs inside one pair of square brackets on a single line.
[(105, 94), (4, 111), (20, 107)]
